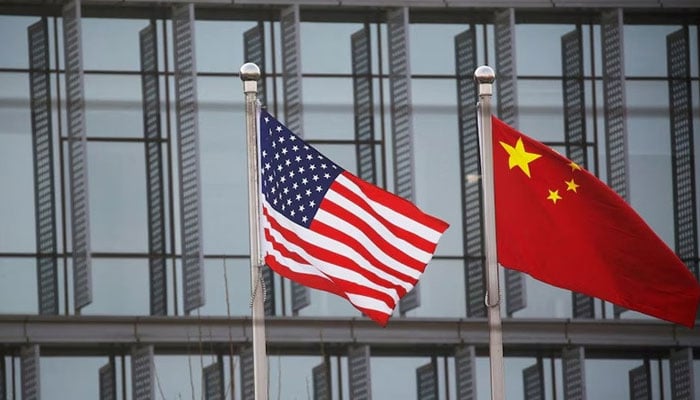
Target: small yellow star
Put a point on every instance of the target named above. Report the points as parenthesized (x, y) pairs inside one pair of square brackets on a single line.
[(554, 196), (519, 157), (574, 166), (571, 185)]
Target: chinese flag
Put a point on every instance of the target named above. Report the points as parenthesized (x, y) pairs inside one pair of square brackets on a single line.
[(562, 225)]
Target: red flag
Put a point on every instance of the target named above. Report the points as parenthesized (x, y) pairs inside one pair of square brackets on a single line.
[(562, 225), (327, 229)]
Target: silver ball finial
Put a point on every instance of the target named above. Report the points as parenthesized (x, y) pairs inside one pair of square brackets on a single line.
[(484, 74), (250, 72)]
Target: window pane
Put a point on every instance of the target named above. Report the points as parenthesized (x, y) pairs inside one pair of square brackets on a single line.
[(119, 287), (18, 286), (111, 44), (320, 55), (113, 105), (645, 49)]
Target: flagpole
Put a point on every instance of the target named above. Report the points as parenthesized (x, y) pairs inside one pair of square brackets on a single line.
[(485, 76), (250, 73)]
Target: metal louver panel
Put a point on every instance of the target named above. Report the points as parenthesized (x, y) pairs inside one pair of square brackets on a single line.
[(300, 297), (506, 89), (31, 385), (465, 373), (188, 156), (470, 161), (142, 373), (322, 381), (614, 95), (506, 84), (291, 69), (268, 280), (77, 156), (682, 155), (44, 190), (363, 99), (614, 102), (154, 170), (108, 382), (213, 381), (247, 374), (575, 130), (640, 383), (427, 382), (573, 373), (533, 382), (401, 121), (682, 381), (359, 373), (254, 51), (3, 382), (293, 107)]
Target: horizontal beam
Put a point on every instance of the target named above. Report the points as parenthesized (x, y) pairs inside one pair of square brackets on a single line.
[(101, 335)]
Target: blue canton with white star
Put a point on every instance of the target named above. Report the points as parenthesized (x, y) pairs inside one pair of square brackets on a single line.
[(294, 175)]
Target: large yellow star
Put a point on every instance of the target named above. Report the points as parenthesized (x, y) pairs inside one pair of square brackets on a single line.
[(554, 196), (519, 157), (571, 185)]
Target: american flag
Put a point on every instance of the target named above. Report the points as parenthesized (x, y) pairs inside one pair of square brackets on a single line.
[(327, 229)]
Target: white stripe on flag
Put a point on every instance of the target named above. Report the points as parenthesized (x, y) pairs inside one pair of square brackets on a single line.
[(394, 217), (322, 267), (334, 246)]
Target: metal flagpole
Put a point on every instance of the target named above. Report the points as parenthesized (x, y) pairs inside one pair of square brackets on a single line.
[(485, 76), (250, 73)]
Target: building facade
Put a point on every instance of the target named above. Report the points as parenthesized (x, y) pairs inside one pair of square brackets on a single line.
[(124, 264)]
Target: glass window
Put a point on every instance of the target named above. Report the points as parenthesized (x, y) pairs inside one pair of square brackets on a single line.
[(18, 286), (431, 48), (219, 45), (320, 55), (73, 377), (111, 44), (113, 105), (538, 48), (119, 287), (651, 186), (17, 230), (436, 155), (14, 46), (540, 107), (395, 378), (232, 275), (645, 49), (224, 166), (442, 292), (328, 109), (117, 190)]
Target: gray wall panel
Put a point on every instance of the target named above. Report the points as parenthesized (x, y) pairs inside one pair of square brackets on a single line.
[(108, 382), (640, 383), (574, 373), (142, 373), (507, 104), (30, 380), (213, 381), (291, 69), (254, 51), (359, 373), (533, 382), (575, 130), (682, 374), (465, 373), (77, 156), (363, 100), (321, 375), (247, 373), (154, 170), (682, 146), (401, 121), (44, 189), (427, 382), (470, 161), (188, 157)]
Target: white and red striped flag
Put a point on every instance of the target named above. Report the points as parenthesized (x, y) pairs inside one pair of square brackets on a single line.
[(327, 229)]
